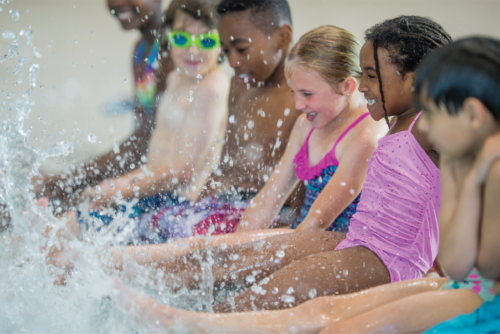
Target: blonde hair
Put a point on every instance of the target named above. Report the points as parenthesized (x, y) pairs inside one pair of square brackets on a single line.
[(330, 51)]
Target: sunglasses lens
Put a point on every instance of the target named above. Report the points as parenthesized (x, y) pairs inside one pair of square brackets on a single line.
[(179, 40), (208, 43)]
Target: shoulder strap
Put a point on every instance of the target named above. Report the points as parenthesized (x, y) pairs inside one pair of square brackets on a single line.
[(349, 128), (414, 121)]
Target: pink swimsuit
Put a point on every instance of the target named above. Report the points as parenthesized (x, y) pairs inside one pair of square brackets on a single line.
[(398, 215)]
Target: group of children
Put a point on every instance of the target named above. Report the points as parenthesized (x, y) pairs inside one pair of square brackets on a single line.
[(388, 183)]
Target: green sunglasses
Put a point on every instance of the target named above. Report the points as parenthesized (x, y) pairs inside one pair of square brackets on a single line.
[(183, 40)]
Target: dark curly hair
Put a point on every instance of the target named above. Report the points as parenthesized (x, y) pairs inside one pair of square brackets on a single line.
[(408, 39)]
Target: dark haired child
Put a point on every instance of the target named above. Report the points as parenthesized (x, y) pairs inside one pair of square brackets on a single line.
[(392, 237), (151, 66), (458, 87)]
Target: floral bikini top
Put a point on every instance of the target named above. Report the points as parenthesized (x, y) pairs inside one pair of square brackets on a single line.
[(317, 177), (145, 84)]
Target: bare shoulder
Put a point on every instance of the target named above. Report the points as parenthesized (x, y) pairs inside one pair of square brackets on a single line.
[(368, 133), (216, 82)]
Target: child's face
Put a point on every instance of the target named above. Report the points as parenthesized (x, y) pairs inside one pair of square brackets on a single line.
[(192, 61), (398, 91), (253, 54), (455, 136), (314, 96), (132, 14)]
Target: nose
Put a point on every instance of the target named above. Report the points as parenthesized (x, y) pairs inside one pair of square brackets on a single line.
[(299, 103), (194, 50), (362, 86), (234, 59)]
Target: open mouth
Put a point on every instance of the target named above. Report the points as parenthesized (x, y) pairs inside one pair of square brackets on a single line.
[(124, 16), (371, 102), (311, 115), (244, 77)]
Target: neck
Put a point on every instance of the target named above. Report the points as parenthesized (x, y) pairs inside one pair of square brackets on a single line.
[(278, 77), (348, 115), (408, 113), (149, 29)]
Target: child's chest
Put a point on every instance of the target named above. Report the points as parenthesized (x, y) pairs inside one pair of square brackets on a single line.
[(176, 109)]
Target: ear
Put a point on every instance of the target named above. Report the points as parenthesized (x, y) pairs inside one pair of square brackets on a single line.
[(348, 86), (476, 112), (284, 37)]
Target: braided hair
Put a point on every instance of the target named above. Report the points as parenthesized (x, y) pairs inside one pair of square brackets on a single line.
[(408, 39)]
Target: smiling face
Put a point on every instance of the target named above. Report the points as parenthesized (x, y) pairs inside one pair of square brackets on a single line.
[(315, 97), (398, 89), (133, 14), (253, 54), (192, 61)]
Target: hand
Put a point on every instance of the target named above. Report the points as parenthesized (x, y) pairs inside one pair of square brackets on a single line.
[(489, 154)]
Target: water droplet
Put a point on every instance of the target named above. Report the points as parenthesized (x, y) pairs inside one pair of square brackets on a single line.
[(112, 11), (312, 293), (199, 77), (352, 191), (280, 123), (265, 177), (92, 138), (251, 124), (132, 166), (16, 15), (111, 185), (76, 41), (144, 159), (63, 132), (41, 119), (318, 211), (231, 119), (290, 290), (275, 290), (126, 80), (136, 189), (280, 254), (343, 184), (250, 279), (287, 111), (232, 38), (190, 99), (287, 299)]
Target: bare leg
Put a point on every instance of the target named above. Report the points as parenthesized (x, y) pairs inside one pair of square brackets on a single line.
[(310, 317), (247, 263), (324, 274), (148, 254), (412, 314)]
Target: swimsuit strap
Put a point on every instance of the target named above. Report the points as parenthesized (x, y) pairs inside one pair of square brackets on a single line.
[(346, 131), (414, 121)]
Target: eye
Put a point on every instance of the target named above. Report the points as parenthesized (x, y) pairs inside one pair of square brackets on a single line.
[(241, 50), (308, 94), (371, 76)]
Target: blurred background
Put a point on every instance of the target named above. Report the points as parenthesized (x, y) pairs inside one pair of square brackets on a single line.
[(85, 81)]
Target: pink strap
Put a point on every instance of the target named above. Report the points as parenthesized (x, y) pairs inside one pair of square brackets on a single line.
[(414, 121), (346, 131)]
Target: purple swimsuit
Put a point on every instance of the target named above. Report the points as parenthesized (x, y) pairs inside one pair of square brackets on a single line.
[(398, 215)]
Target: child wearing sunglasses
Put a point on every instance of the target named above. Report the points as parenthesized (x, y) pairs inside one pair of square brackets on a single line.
[(190, 123)]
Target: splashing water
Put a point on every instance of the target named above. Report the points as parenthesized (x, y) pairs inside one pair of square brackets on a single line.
[(31, 301)]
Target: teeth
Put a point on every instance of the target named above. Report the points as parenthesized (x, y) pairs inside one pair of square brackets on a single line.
[(123, 16), (311, 114), (371, 101)]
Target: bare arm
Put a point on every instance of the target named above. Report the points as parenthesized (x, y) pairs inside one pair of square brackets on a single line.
[(460, 222), (344, 186), (264, 207), (489, 247)]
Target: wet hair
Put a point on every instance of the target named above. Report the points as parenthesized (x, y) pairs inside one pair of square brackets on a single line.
[(467, 68), (203, 10), (268, 15), (330, 51), (408, 39)]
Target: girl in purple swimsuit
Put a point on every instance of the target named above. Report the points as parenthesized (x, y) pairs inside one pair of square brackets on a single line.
[(394, 234)]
